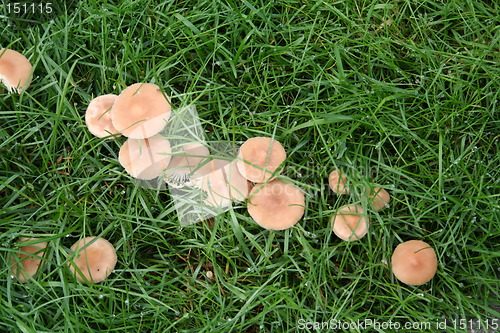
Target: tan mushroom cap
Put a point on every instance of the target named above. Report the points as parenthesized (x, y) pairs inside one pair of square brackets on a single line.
[(145, 158), (25, 264), (213, 182), (209, 177), (239, 187), (215, 185), (337, 181), (276, 205), (98, 116), (414, 262), (94, 262), (222, 182), (140, 111), (350, 223), (379, 197), (259, 158), (184, 162), (15, 70)]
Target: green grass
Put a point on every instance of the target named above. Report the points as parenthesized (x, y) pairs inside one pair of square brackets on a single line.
[(401, 93)]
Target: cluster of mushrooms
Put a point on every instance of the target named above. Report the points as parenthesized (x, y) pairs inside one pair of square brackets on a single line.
[(141, 113), (148, 153), (413, 262)]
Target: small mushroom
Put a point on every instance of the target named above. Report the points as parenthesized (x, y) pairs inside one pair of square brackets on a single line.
[(337, 181), (259, 159), (94, 259), (145, 158), (213, 182), (140, 111), (239, 187), (26, 263), (350, 223), (276, 205), (222, 182), (98, 116), (414, 262), (183, 164), (15, 70), (379, 197)]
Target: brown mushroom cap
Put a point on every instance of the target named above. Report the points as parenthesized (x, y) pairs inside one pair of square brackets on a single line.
[(145, 158), (414, 262), (94, 262), (259, 158), (98, 116), (337, 181), (276, 205), (379, 197), (25, 264), (140, 111), (350, 223), (15, 70)]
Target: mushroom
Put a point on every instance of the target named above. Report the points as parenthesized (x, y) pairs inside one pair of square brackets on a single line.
[(221, 181), (98, 117), (183, 164), (25, 264), (140, 111), (94, 259), (379, 197), (414, 262), (276, 205), (337, 181), (145, 158), (350, 223), (213, 182), (239, 187), (15, 70), (259, 159)]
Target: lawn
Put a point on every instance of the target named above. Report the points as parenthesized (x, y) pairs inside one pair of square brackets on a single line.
[(399, 93)]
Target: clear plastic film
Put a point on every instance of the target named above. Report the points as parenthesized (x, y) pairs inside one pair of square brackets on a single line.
[(201, 176)]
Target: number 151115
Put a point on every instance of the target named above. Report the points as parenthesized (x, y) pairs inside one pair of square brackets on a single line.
[(29, 8)]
